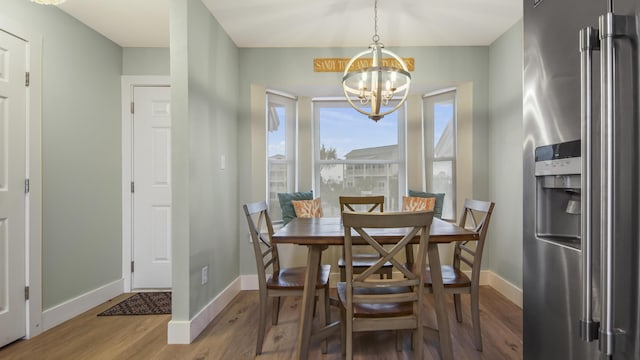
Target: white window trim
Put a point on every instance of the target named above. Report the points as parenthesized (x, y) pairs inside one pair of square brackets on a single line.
[(430, 158)]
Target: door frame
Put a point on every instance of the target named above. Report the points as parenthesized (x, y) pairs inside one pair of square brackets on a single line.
[(128, 83), (33, 199)]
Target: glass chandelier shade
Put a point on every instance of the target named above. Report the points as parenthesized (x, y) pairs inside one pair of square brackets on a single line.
[(48, 2), (378, 84)]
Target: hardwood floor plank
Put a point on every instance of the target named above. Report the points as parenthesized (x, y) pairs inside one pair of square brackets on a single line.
[(233, 333)]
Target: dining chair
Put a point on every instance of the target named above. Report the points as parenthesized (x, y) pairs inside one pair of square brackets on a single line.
[(475, 214), (369, 303), (416, 203), (281, 281), (361, 260)]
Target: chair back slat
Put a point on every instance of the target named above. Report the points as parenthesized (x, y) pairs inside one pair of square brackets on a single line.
[(261, 231), (466, 261), (476, 216), (467, 249), (351, 202)]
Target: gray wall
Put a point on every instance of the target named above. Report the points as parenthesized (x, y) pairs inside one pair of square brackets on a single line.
[(145, 61), (290, 69), (82, 242), (204, 79), (504, 244)]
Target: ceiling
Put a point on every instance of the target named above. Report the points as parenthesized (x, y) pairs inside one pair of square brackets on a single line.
[(309, 23)]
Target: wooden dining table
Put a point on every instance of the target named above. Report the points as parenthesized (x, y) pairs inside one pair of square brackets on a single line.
[(319, 233)]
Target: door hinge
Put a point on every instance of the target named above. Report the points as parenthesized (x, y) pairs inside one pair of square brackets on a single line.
[(132, 266), (26, 79), (132, 187), (26, 186), (132, 108), (26, 293)]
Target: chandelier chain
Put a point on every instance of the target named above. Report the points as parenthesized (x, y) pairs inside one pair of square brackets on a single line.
[(375, 38)]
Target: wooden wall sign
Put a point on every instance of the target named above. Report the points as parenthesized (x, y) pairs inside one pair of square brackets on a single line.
[(338, 64)]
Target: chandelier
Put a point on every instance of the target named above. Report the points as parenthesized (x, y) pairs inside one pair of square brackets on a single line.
[(48, 2), (375, 85)]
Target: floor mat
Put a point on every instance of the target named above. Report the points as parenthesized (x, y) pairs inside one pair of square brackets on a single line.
[(144, 303)]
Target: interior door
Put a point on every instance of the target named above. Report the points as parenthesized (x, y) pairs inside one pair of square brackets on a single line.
[(151, 188), (13, 122)]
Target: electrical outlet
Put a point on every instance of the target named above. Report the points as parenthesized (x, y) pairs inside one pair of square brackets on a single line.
[(205, 274)]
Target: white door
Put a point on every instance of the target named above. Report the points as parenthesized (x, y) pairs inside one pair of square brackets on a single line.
[(13, 123), (151, 188)]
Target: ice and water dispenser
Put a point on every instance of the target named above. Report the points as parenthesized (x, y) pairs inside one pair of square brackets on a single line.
[(557, 171)]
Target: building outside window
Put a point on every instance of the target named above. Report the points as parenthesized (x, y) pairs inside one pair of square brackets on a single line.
[(356, 156), (440, 147), (281, 144)]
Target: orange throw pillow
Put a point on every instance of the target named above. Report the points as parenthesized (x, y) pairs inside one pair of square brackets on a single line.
[(307, 208), (411, 203)]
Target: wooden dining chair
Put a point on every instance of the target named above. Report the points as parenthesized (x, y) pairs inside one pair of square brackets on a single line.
[(361, 260), (475, 214), (416, 203), (369, 303), (281, 281)]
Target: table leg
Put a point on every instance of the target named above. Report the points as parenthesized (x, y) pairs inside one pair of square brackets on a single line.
[(308, 296), (441, 311)]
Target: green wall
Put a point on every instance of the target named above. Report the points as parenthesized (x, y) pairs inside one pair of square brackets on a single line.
[(504, 244), (204, 77), (145, 61), (82, 226)]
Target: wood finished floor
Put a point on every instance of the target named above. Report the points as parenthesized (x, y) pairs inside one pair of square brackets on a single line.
[(232, 335)]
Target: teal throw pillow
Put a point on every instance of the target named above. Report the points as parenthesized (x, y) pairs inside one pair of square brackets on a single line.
[(437, 210), (288, 212)]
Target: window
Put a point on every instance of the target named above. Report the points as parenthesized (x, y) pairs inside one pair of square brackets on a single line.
[(440, 148), (281, 154), (356, 156)]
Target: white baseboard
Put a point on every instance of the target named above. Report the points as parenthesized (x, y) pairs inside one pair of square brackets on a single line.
[(487, 277), (184, 332), (504, 287), (249, 282), (76, 306)]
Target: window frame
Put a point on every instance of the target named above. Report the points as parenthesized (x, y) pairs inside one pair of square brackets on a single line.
[(401, 162), (291, 147), (428, 141)]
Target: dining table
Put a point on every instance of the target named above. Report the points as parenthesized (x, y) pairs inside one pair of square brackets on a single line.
[(320, 233)]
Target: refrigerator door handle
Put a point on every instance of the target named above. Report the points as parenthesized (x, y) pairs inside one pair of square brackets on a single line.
[(589, 42), (612, 27)]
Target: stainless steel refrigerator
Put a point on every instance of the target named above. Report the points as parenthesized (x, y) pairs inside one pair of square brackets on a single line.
[(581, 179)]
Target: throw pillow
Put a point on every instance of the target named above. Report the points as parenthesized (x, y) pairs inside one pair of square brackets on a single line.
[(308, 208), (288, 213), (414, 203), (437, 210)]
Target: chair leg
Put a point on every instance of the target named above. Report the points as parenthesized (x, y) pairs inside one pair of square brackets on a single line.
[(417, 341), (276, 310), (399, 340), (475, 318), (324, 315), (349, 338), (315, 305), (262, 322), (389, 272), (458, 307), (343, 330)]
